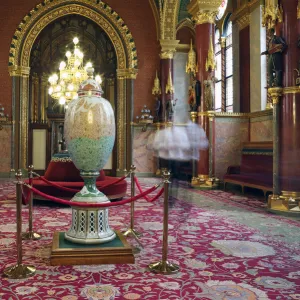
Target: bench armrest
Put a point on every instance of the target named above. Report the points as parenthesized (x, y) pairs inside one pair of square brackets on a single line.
[(233, 170)]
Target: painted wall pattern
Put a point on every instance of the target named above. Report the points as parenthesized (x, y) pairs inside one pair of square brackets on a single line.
[(5, 142), (143, 157), (261, 129), (230, 134)]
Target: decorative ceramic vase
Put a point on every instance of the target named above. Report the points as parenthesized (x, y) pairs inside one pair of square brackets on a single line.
[(90, 136)]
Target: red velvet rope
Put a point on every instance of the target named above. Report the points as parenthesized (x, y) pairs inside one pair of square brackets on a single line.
[(80, 204), (25, 198), (140, 188), (58, 186), (155, 197), (75, 190)]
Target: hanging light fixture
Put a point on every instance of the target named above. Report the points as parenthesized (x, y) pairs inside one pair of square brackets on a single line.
[(64, 86)]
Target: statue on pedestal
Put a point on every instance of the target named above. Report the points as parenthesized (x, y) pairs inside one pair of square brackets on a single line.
[(194, 95), (62, 142), (170, 109), (209, 90), (157, 109), (276, 47)]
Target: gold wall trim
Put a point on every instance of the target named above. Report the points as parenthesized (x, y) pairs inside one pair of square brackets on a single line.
[(186, 23), (241, 16), (256, 114), (36, 21), (291, 90), (169, 19), (19, 71), (127, 73), (243, 21), (168, 48), (48, 11), (183, 48)]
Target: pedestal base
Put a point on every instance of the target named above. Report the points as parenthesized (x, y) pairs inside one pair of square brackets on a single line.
[(283, 205), (164, 267), (202, 184), (65, 252), (31, 236), (19, 271)]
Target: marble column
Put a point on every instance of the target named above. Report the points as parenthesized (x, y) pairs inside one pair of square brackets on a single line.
[(289, 173), (204, 14)]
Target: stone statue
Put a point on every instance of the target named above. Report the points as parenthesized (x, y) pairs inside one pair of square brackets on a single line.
[(275, 49), (62, 142), (209, 90), (192, 100), (157, 109), (194, 95), (170, 109)]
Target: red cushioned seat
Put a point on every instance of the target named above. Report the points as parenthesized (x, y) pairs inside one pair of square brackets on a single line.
[(62, 171)]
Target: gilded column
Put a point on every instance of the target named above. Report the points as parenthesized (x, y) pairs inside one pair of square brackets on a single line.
[(20, 84), (121, 124), (276, 95), (194, 181), (204, 15), (131, 76), (168, 48), (125, 118), (43, 96), (35, 95)]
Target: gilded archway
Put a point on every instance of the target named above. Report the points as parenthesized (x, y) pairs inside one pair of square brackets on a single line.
[(25, 35)]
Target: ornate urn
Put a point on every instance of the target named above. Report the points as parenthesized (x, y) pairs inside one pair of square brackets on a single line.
[(90, 136)]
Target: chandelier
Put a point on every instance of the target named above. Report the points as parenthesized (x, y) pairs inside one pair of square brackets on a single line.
[(64, 86)]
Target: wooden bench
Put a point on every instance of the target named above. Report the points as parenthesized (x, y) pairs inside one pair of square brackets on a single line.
[(256, 169)]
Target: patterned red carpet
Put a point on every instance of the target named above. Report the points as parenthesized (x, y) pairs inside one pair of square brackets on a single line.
[(227, 246)]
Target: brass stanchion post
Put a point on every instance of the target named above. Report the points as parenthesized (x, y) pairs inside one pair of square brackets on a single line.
[(131, 230), (164, 266), (194, 180), (19, 270), (30, 235)]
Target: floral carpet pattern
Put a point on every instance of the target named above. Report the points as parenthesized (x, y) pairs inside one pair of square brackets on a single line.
[(226, 249)]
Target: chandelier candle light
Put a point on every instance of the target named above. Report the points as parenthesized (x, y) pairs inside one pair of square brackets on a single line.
[(65, 86), (90, 136)]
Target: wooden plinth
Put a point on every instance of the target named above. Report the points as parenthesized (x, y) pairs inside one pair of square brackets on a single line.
[(64, 252)]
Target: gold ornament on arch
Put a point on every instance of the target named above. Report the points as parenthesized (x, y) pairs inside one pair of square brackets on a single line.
[(45, 13)]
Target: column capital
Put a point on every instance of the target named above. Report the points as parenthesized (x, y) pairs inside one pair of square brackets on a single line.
[(276, 94), (204, 11), (19, 71), (127, 73), (168, 48), (223, 41), (272, 12)]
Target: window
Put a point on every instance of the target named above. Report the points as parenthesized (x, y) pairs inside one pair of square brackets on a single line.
[(224, 82), (218, 72), (228, 69)]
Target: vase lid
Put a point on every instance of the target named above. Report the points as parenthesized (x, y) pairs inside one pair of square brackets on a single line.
[(90, 87)]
